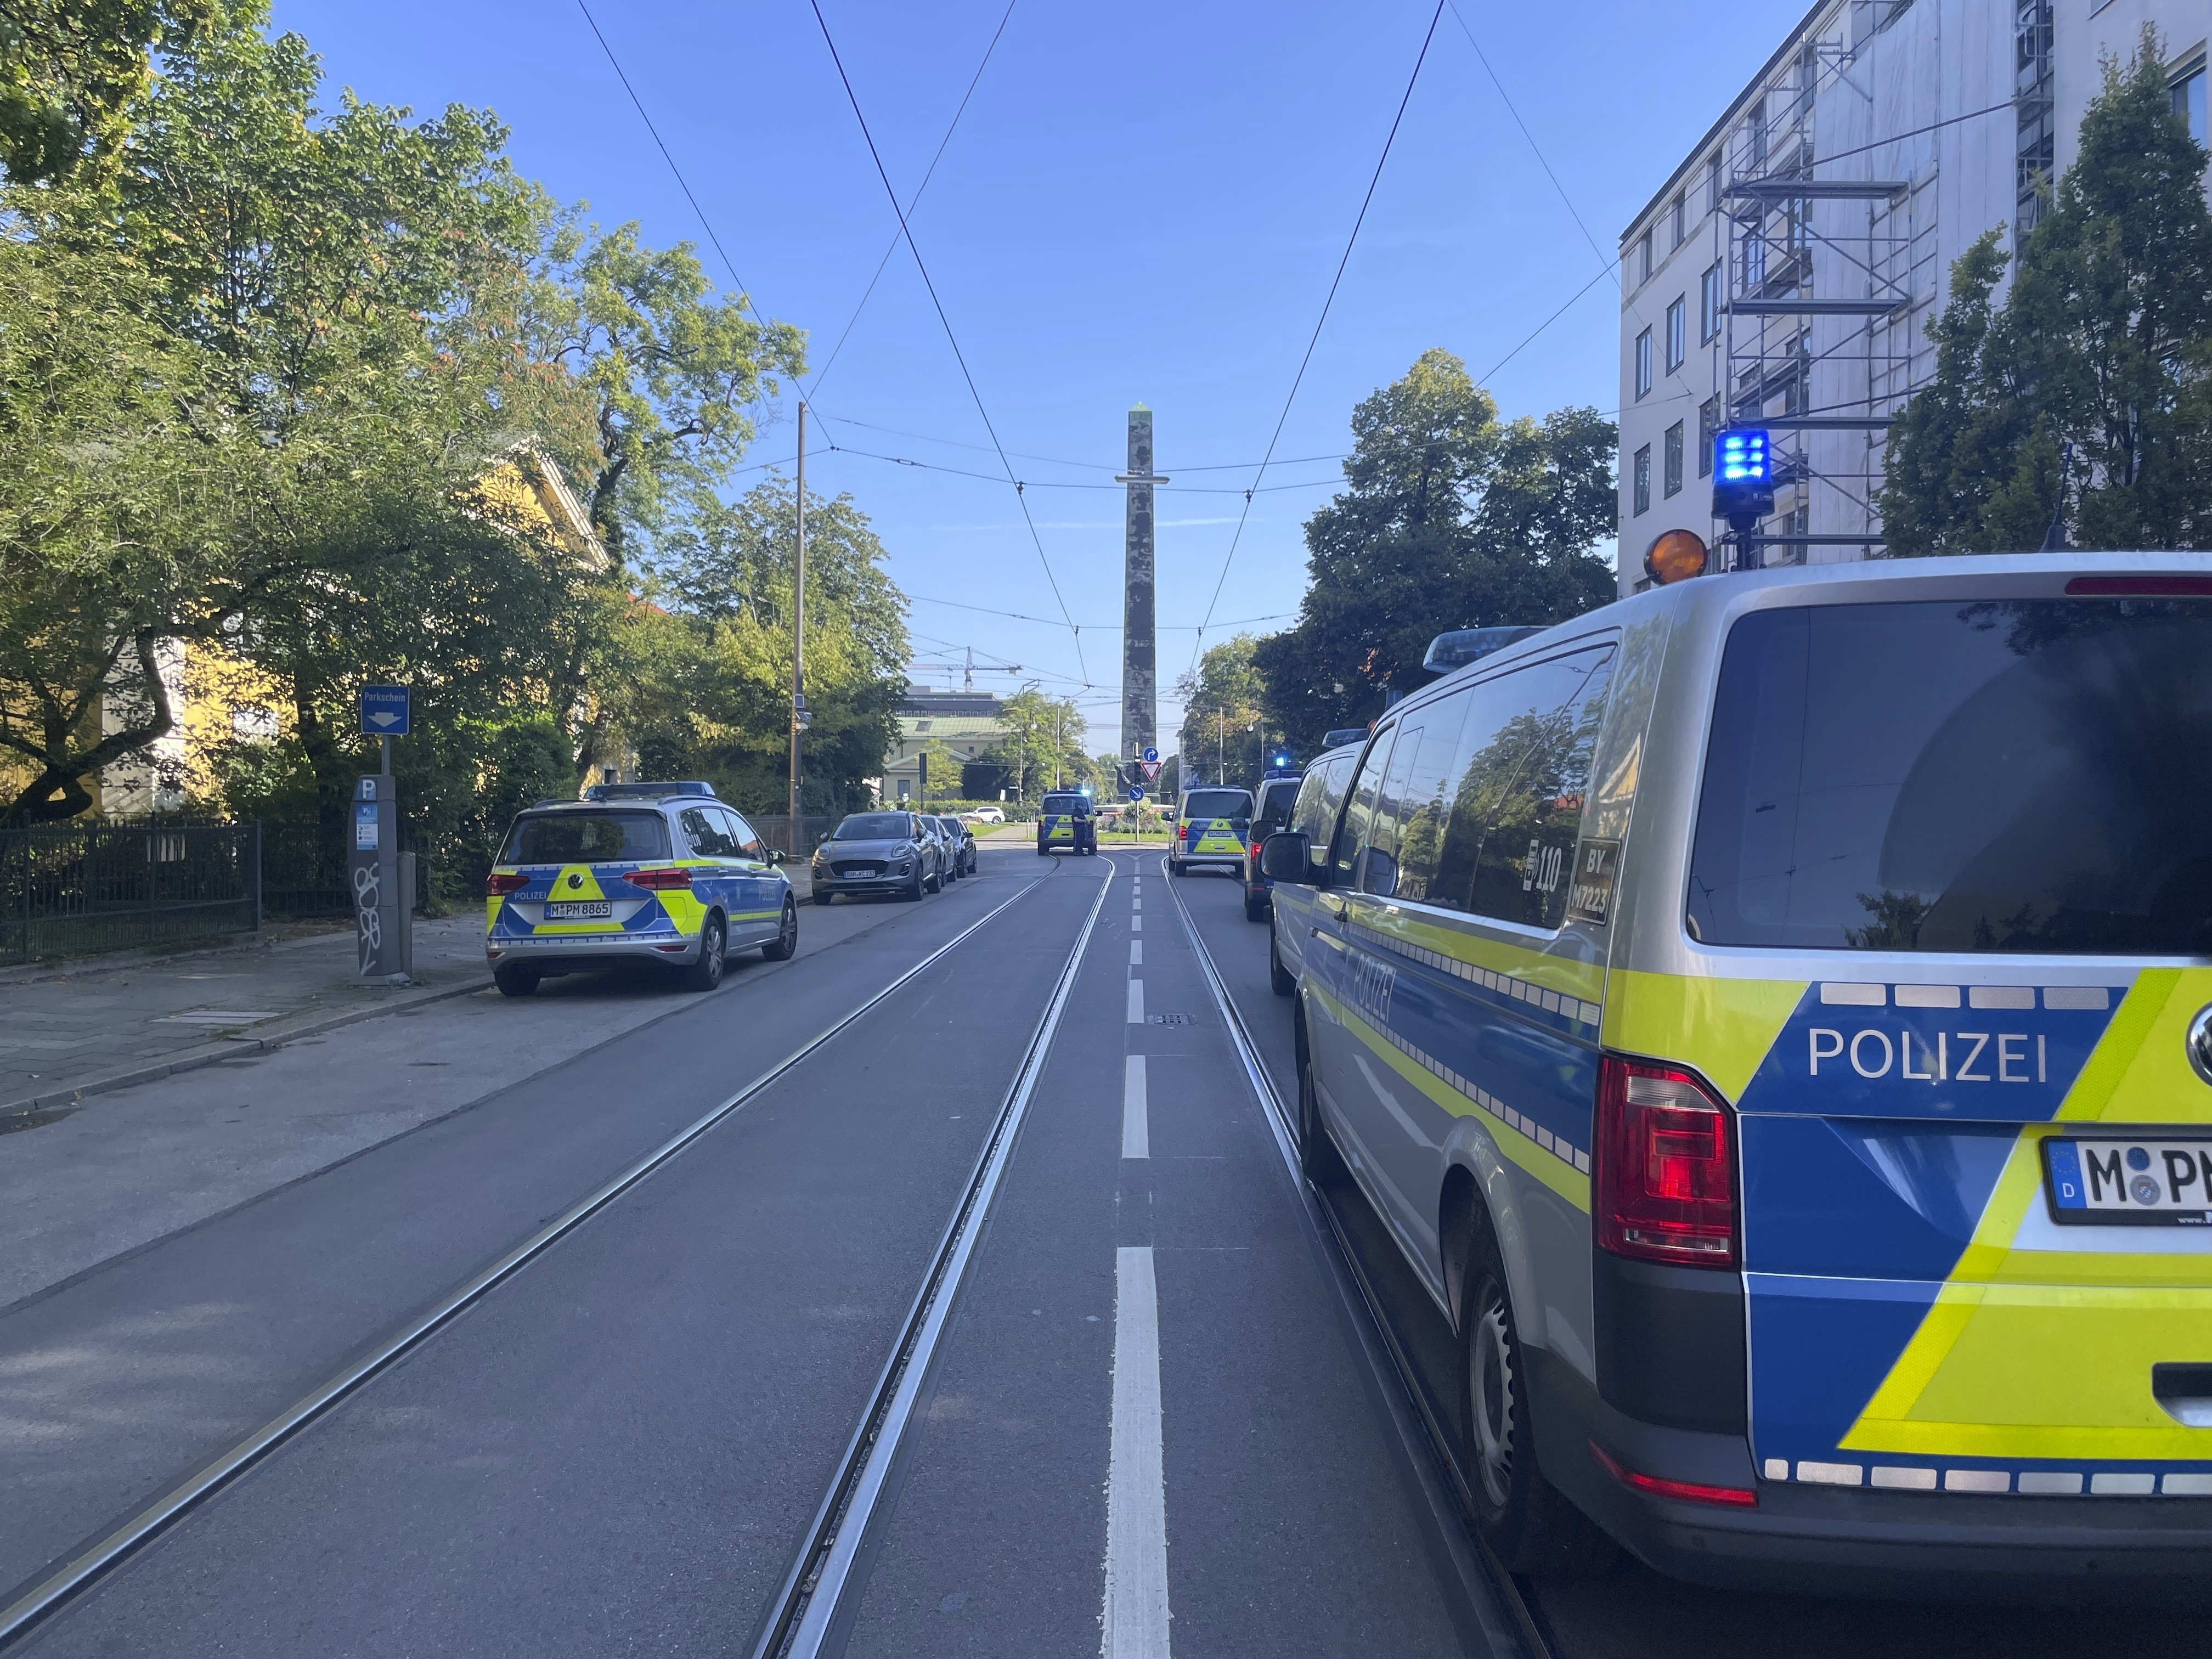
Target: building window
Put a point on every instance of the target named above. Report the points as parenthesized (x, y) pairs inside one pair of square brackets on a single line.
[(2188, 94), (1713, 185), (1674, 460), (1677, 328), (1644, 480), (1644, 364), (1709, 303), (1678, 219), (1708, 423), (1644, 258)]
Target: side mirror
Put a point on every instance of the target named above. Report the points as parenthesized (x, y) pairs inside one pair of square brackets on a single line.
[(1283, 857), (777, 855)]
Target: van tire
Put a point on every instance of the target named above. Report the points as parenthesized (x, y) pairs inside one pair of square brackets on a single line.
[(1279, 978), (1255, 909), (1174, 867), (1527, 1521), (1316, 1152)]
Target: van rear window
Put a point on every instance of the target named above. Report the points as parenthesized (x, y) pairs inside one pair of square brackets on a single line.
[(1217, 804), (2017, 775), (586, 838)]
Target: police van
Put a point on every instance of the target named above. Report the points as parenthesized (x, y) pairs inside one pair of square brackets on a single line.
[(1772, 1016), (1210, 824), (1064, 824), (636, 872)]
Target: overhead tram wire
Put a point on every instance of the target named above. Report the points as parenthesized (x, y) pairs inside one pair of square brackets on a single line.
[(1320, 322), (928, 173), (1096, 627), (959, 356)]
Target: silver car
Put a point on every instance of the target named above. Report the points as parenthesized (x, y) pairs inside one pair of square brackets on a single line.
[(901, 853)]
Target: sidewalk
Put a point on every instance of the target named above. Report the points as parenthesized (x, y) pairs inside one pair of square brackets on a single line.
[(84, 1027)]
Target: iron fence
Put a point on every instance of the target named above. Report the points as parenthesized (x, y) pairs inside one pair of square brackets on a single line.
[(75, 889), (303, 870)]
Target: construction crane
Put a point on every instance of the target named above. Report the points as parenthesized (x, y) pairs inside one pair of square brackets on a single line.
[(966, 670)]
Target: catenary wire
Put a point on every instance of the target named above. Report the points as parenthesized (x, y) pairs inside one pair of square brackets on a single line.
[(928, 173), (1297, 379), (921, 266)]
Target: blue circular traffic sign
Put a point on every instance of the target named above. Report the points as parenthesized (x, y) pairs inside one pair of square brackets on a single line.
[(1136, 793), (1151, 755)]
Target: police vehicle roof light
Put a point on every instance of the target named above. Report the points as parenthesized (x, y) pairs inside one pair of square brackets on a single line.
[(1465, 645), (1675, 556), (1743, 477)]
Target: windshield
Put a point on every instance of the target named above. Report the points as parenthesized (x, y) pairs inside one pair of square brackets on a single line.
[(586, 838), (1066, 804), (874, 826), (1217, 804), (2010, 776)]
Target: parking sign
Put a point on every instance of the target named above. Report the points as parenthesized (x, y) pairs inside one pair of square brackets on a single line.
[(384, 711)]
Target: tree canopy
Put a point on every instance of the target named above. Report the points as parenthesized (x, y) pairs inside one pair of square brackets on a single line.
[(2101, 350), (1452, 519)]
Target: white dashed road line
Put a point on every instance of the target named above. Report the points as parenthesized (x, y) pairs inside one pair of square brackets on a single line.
[(1136, 1124), (1136, 1622), (1136, 953), (1136, 1002)]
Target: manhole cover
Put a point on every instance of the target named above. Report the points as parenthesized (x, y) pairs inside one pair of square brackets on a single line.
[(1170, 1019)]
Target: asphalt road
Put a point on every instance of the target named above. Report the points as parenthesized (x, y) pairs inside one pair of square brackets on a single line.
[(618, 1449), (1159, 1419)]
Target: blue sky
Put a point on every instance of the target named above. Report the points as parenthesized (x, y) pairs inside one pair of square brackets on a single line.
[(1142, 202)]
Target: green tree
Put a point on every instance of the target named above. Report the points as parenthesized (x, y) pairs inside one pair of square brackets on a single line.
[(70, 71), (1223, 698), (2103, 348), (1451, 518), (1044, 734)]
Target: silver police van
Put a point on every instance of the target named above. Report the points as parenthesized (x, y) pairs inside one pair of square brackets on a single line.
[(1772, 1016)]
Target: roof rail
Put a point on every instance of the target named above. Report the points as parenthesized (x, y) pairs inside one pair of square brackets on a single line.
[(1465, 645)]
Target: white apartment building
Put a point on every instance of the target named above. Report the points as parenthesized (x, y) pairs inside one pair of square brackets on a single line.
[(1785, 274)]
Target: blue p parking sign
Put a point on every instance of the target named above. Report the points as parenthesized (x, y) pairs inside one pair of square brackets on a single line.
[(384, 711)]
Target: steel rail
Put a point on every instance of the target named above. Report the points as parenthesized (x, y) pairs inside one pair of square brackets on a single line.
[(49, 1592), (1420, 1436), (803, 1618)]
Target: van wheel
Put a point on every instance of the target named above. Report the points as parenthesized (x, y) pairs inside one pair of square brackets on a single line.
[(1279, 977), (1526, 1520), (706, 973), (1255, 909), (1174, 867), (785, 945), (514, 979), (1316, 1152)]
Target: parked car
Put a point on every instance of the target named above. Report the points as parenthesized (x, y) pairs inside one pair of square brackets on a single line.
[(986, 815), (962, 844), (1273, 812), (880, 853), (659, 872)]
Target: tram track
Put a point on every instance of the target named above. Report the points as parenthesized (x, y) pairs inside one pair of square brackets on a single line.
[(806, 1612), (54, 1588), (1422, 1437)]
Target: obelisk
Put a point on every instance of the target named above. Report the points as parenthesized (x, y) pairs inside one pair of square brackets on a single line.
[(1140, 679)]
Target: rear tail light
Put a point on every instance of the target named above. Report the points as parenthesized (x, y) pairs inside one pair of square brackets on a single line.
[(1183, 832), (658, 881), (1663, 1182), (1686, 1492), (501, 882)]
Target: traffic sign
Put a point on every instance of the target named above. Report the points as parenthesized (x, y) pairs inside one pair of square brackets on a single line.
[(384, 711), (1152, 757), (1136, 792), (1151, 769)]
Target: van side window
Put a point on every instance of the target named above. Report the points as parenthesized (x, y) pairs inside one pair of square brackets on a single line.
[(1352, 834), (1417, 797), (1314, 814), (1524, 774)]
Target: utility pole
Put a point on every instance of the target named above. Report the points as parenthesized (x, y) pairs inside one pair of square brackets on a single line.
[(1220, 746), (799, 634), (1058, 744)]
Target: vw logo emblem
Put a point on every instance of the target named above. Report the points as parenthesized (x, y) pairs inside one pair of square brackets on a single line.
[(575, 881), (2199, 1042)]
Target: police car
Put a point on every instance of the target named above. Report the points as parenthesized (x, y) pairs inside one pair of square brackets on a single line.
[(1210, 824), (1064, 824), (656, 872), (1772, 1016)]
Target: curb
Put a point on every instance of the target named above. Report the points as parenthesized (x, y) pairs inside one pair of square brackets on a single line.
[(59, 1103)]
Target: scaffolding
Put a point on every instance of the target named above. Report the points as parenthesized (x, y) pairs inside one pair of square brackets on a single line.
[(1817, 347)]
